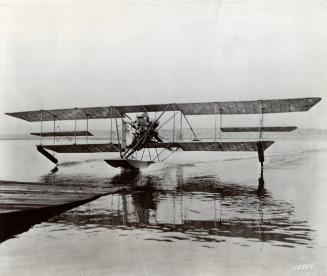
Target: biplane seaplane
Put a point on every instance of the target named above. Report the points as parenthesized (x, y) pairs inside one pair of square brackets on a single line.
[(143, 131)]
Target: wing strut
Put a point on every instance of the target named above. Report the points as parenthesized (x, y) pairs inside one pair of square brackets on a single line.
[(220, 123), (181, 127), (111, 126), (261, 121), (195, 137), (87, 128), (117, 130), (41, 126), (261, 152), (174, 123), (54, 129), (75, 123)]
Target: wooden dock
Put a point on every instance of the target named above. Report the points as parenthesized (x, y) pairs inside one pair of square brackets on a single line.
[(23, 204), (27, 196)]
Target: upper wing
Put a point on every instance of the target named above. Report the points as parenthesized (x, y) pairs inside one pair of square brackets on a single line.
[(68, 114), (235, 107), (206, 108)]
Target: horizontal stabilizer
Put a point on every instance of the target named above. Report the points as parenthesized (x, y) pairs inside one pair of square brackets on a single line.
[(256, 129), (202, 108), (212, 146), (83, 148), (62, 133)]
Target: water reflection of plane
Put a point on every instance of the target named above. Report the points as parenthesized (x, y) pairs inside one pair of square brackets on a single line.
[(238, 210)]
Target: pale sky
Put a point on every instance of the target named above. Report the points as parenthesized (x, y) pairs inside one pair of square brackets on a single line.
[(57, 54)]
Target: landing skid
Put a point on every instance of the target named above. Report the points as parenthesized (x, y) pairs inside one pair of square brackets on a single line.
[(129, 164)]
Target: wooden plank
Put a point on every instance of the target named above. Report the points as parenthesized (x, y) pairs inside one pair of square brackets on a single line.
[(49, 187), (4, 192), (48, 190), (27, 196)]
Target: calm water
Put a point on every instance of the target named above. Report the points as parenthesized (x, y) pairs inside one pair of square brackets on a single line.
[(195, 214)]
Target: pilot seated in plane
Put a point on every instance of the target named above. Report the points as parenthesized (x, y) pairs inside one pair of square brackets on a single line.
[(145, 131)]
